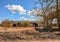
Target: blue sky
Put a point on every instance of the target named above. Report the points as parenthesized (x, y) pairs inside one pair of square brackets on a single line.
[(16, 9)]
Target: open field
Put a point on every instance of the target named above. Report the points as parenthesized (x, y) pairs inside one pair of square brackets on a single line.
[(27, 34)]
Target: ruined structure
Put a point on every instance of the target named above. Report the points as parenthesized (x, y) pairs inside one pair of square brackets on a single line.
[(11, 24)]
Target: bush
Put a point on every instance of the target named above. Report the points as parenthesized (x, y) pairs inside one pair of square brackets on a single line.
[(24, 24)]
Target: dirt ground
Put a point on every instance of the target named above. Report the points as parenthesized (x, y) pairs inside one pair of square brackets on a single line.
[(14, 29), (32, 41), (27, 34)]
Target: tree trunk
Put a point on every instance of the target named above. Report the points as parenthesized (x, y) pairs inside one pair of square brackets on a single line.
[(58, 21), (45, 24)]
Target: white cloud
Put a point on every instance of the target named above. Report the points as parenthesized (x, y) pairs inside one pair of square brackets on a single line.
[(24, 18), (29, 19), (32, 19), (39, 12), (13, 12), (35, 12), (16, 8)]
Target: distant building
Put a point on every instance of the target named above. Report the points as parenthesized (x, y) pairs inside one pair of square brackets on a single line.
[(10, 24), (7, 23)]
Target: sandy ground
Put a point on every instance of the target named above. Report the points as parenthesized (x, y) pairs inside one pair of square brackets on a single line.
[(32, 41), (14, 29), (23, 29)]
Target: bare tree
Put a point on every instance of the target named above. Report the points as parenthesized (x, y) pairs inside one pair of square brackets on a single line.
[(58, 16), (45, 10)]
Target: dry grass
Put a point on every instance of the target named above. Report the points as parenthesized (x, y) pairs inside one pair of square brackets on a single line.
[(15, 29), (28, 34), (32, 41)]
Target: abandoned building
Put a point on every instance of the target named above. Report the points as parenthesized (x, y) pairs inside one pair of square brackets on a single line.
[(7, 23), (11, 24)]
